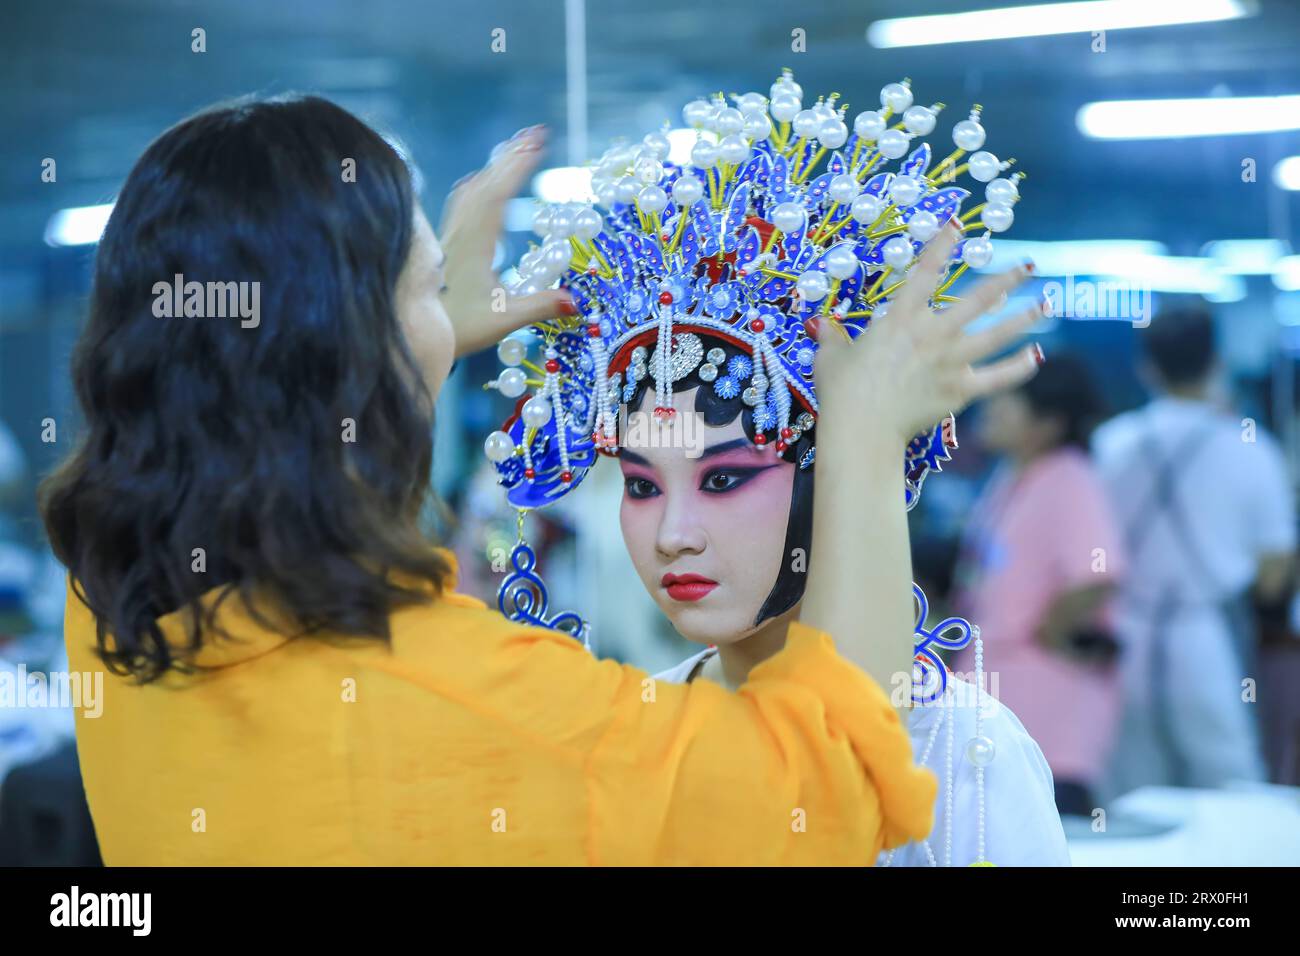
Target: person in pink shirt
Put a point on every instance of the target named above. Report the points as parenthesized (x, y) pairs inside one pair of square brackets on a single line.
[(1041, 556)]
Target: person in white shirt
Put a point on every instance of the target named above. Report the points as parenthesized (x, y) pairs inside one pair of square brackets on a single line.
[(1208, 514)]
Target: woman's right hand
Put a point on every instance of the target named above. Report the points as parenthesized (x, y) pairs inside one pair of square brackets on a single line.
[(914, 366)]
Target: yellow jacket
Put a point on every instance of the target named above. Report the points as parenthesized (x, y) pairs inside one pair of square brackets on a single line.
[(472, 740)]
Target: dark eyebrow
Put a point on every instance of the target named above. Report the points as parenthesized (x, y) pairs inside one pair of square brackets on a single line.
[(719, 449)]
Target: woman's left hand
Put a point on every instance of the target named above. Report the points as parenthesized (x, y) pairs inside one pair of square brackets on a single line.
[(481, 311)]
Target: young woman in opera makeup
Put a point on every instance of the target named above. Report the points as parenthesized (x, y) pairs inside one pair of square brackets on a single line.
[(717, 541)]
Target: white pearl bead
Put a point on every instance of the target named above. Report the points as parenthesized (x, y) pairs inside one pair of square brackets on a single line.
[(905, 190), (729, 121), (813, 286), (866, 209), (648, 170), (997, 217), (981, 750), (832, 133), (898, 253), (512, 382), (625, 189), (652, 199), (869, 125), (537, 412), (498, 446), (983, 166), (556, 255), (977, 252), (696, 113), (788, 217), (919, 120), (607, 194), (896, 96), (658, 144), (749, 103), (844, 188), (923, 226), (841, 261), (529, 261), (786, 84), (757, 127), (704, 154), (511, 351), (733, 149), (892, 143), (587, 224), (687, 189), (561, 222), (968, 135), (806, 124), (1002, 191), (542, 221), (785, 107)]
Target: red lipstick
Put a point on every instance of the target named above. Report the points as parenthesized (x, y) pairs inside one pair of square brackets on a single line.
[(687, 587)]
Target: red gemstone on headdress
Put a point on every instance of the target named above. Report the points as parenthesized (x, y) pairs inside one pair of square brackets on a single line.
[(591, 270), (566, 476), (780, 447), (529, 473), (760, 439), (666, 236), (552, 365), (758, 325), (665, 298), (786, 432), (669, 412), (593, 330)]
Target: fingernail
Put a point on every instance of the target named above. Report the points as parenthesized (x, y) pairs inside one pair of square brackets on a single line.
[(955, 223), (566, 307), (1039, 357), (812, 327), (1029, 267), (1045, 306)]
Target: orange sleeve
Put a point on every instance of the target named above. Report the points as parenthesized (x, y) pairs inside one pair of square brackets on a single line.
[(808, 764)]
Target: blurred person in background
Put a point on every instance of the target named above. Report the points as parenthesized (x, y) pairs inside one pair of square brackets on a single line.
[(1208, 515), (1041, 556)]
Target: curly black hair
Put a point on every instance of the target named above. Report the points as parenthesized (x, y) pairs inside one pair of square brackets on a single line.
[(205, 434)]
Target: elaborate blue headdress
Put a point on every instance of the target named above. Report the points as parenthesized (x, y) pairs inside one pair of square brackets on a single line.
[(747, 244)]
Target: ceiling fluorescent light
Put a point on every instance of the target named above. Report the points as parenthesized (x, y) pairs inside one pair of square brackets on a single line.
[(1287, 173), (78, 226), (1044, 19), (1206, 116)]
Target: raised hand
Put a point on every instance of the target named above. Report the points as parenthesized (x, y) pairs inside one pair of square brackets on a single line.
[(913, 366), (481, 312)]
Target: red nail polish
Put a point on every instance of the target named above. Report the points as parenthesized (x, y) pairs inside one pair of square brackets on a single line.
[(1029, 267), (812, 327), (1039, 357), (566, 307)]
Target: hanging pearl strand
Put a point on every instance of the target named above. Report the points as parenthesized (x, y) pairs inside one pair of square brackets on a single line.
[(604, 426), (944, 716), (663, 349)]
